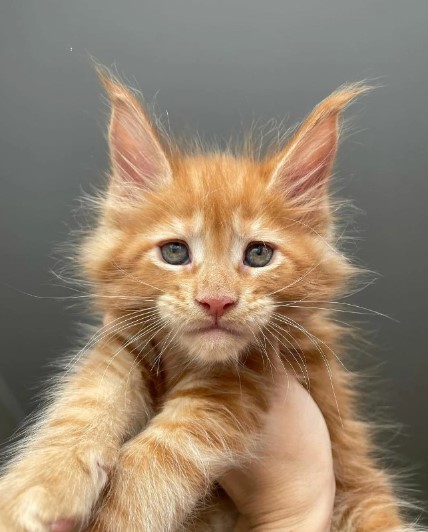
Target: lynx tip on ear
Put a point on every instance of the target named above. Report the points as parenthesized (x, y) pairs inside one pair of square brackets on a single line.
[(114, 88)]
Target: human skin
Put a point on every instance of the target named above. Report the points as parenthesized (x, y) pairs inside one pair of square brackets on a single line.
[(291, 486)]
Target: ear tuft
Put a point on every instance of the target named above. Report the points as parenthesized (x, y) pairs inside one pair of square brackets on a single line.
[(136, 151), (113, 87), (302, 169)]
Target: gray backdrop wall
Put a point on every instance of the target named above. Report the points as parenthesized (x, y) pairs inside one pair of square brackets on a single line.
[(215, 65)]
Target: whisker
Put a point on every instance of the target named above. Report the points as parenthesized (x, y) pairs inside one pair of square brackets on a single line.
[(110, 328), (366, 310), (99, 335), (315, 341), (134, 338), (164, 347), (279, 357), (262, 347), (138, 355), (296, 281), (274, 327), (290, 321), (81, 296), (267, 356), (138, 281), (167, 343)]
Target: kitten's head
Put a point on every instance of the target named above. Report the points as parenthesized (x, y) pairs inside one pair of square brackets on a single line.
[(211, 246)]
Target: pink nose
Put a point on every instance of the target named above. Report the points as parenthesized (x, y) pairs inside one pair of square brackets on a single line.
[(217, 306)]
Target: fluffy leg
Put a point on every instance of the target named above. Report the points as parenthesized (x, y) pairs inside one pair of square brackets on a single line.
[(207, 424), (62, 466)]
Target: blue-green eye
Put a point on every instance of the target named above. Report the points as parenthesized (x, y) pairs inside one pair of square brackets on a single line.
[(258, 255), (175, 253)]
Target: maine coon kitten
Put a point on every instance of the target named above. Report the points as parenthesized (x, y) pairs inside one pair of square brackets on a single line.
[(207, 265)]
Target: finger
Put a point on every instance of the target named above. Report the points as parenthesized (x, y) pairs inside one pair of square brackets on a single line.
[(62, 525)]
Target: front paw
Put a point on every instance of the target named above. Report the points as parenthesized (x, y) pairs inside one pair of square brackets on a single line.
[(123, 504), (53, 489), (152, 489)]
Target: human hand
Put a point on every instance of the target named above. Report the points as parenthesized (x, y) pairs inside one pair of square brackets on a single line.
[(292, 485)]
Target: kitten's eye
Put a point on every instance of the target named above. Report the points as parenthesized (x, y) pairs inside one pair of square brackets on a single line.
[(176, 253), (258, 255)]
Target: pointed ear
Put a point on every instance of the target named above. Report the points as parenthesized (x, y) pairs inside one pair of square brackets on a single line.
[(303, 168), (137, 157)]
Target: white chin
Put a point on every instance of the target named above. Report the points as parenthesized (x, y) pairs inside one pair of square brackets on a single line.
[(213, 346)]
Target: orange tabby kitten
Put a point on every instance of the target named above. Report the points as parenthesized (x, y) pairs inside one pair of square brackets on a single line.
[(206, 266)]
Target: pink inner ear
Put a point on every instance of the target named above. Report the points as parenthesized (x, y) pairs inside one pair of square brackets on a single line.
[(136, 153), (132, 160), (303, 168), (306, 168)]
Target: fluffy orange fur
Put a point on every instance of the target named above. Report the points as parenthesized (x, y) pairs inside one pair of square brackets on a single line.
[(165, 397)]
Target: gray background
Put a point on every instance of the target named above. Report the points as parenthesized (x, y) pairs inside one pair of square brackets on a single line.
[(215, 66)]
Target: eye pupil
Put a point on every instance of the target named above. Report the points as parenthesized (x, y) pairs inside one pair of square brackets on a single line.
[(258, 255), (175, 253)]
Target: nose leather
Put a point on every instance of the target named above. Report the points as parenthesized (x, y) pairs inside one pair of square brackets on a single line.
[(217, 306)]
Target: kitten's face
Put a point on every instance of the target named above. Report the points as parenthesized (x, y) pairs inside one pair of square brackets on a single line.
[(216, 302), (214, 245), (240, 247)]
